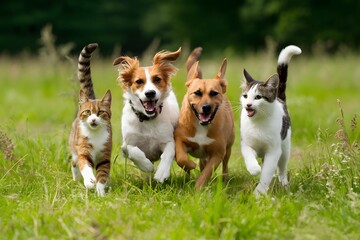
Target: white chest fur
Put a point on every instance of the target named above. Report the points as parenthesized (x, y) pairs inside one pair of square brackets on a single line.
[(201, 137), (97, 137)]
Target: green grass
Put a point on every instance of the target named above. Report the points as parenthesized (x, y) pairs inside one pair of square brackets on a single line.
[(39, 199)]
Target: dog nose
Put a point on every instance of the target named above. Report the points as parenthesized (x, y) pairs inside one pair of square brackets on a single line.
[(150, 94), (206, 108)]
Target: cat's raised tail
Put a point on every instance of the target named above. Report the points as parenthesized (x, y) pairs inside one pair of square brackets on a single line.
[(282, 68), (84, 73)]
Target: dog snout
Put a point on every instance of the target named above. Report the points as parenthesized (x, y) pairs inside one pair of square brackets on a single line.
[(206, 108), (150, 94)]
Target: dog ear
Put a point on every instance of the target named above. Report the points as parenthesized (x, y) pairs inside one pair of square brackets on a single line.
[(193, 73), (126, 69), (166, 56), (221, 75)]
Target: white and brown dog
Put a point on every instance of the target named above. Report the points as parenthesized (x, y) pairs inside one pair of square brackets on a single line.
[(206, 123), (150, 112)]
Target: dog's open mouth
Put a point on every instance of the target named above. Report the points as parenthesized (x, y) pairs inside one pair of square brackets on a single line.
[(204, 118), (250, 112), (149, 106)]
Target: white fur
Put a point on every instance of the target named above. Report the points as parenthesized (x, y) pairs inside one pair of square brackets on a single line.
[(260, 137), (88, 174), (286, 54), (147, 141)]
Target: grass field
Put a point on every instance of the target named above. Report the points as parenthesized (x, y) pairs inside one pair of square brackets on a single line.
[(39, 199)]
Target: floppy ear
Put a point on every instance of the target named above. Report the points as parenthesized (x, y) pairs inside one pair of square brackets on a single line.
[(83, 98), (166, 56), (126, 69), (193, 73), (221, 76)]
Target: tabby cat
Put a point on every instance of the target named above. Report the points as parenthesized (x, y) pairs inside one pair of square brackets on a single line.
[(91, 135), (265, 123)]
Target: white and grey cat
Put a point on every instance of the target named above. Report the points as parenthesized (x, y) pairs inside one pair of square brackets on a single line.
[(265, 123)]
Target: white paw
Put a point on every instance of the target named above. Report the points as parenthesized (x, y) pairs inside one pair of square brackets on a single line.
[(260, 189), (100, 189), (89, 183), (144, 165), (254, 169), (162, 174)]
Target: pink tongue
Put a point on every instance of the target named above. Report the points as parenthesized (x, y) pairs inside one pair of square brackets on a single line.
[(250, 112), (204, 118), (149, 106)]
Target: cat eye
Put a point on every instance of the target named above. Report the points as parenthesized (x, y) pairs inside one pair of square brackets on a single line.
[(139, 81), (100, 112), (198, 93), (213, 94), (257, 97), (245, 95), (157, 79), (86, 112)]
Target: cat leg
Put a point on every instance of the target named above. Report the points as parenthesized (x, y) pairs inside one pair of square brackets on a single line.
[(102, 176), (269, 166), (282, 168), (75, 168), (87, 171), (139, 159), (249, 154), (167, 157)]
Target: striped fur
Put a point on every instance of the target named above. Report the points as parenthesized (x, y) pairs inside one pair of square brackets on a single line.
[(84, 72), (90, 139)]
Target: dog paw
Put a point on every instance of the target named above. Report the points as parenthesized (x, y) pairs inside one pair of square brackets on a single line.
[(254, 169), (89, 183)]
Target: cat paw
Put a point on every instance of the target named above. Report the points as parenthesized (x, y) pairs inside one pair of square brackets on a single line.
[(89, 183), (254, 169), (260, 190), (100, 189), (162, 174), (144, 165)]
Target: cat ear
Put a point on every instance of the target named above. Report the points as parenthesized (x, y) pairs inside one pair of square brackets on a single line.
[(193, 73), (107, 97), (273, 81), (247, 79), (221, 75), (83, 98)]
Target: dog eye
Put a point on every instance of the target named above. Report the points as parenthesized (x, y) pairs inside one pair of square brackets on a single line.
[(257, 97), (213, 94), (157, 79), (198, 93), (139, 81), (245, 96)]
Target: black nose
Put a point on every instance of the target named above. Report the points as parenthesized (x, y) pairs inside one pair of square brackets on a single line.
[(150, 94), (206, 108)]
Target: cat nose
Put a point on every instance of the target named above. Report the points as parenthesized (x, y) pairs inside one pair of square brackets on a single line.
[(249, 105), (150, 94), (206, 108)]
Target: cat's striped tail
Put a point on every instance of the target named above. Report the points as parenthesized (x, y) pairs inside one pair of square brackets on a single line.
[(282, 68), (84, 73)]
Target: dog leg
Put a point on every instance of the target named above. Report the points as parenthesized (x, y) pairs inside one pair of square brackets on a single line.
[(251, 163), (139, 159), (163, 171), (225, 163), (182, 158), (211, 166)]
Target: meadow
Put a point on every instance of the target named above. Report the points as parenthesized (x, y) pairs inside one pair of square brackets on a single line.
[(39, 199)]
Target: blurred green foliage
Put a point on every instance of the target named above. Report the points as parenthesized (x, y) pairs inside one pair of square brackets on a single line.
[(131, 25)]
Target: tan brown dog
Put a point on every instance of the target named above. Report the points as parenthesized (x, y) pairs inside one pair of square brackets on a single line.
[(205, 128)]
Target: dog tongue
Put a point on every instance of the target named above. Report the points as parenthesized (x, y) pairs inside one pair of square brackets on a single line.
[(149, 106), (204, 118)]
